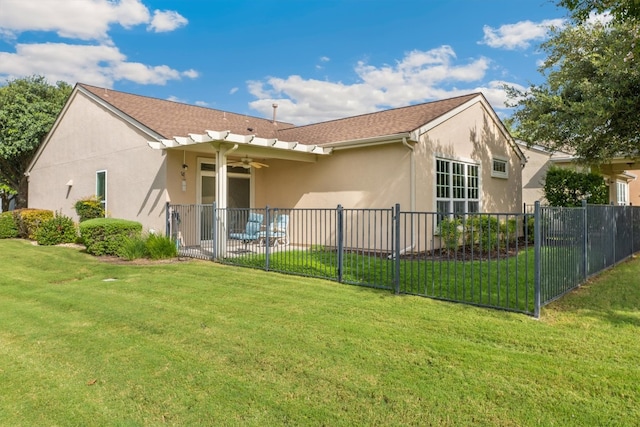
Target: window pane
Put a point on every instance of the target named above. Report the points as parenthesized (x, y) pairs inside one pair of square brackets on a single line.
[(442, 179), (458, 180), (459, 208), (442, 207)]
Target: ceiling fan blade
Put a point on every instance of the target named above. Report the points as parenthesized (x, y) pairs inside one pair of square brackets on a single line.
[(258, 165)]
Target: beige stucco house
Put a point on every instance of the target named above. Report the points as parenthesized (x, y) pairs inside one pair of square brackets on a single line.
[(619, 174), (139, 153)]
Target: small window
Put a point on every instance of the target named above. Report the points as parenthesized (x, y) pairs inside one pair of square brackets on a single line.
[(101, 188), (499, 168)]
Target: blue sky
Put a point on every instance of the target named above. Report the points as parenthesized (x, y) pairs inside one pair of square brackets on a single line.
[(317, 60)]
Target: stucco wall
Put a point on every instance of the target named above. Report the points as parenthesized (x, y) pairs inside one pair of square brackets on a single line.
[(533, 174), (470, 136), (89, 138), (371, 177)]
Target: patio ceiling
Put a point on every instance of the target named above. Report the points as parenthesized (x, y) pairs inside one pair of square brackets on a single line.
[(246, 144)]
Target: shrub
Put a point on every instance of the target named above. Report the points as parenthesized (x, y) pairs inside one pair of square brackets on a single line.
[(483, 230), (57, 230), (89, 208), (134, 248), (161, 247), (29, 220), (565, 187), (450, 232), (107, 236), (8, 226)]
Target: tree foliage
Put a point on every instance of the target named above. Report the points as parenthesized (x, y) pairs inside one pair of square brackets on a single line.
[(565, 187), (589, 102), (28, 109), (620, 9)]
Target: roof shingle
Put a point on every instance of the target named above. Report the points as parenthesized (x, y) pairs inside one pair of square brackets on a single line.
[(170, 119)]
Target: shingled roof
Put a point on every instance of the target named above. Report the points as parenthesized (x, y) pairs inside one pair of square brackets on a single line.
[(378, 124), (170, 119)]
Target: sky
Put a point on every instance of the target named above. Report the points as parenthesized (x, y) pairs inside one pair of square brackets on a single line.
[(317, 60)]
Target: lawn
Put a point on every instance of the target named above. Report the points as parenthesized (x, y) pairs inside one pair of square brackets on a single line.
[(87, 342), (496, 280)]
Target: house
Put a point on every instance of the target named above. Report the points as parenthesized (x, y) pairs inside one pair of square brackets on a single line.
[(619, 174), (139, 153)]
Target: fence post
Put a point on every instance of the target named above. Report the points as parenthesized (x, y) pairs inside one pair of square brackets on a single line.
[(214, 231), (537, 237), (167, 219), (340, 240), (396, 249), (267, 237), (585, 244)]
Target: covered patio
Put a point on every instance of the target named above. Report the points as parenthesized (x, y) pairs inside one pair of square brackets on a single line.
[(233, 156)]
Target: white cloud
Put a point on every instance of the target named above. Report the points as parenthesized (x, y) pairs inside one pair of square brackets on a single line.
[(420, 76), (99, 65), (519, 35), (79, 19), (166, 20), (233, 90)]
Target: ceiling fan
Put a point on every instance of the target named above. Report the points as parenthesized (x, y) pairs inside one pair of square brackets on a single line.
[(247, 163)]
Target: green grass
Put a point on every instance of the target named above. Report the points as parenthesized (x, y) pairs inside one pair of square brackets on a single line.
[(89, 343), (506, 282)]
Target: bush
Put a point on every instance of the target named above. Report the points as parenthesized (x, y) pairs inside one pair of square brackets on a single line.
[(108, 236), (89, 208), (161, 247), (565, 187), (59, 229), (8, 226), (450, 232), (483, 230), (134, 248), (29, 220)]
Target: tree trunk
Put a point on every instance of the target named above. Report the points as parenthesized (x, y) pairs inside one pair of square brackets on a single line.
[(22, 197)]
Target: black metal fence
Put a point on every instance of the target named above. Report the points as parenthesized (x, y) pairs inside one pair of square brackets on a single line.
[(512, 261)]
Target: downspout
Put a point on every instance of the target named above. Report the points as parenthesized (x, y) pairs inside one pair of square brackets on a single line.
[(412, 192)]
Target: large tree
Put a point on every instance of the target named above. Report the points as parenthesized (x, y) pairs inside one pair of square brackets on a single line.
[(28, 109), (589, 102)]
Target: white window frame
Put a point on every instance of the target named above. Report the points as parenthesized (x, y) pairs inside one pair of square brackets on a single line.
[(446, 190), (498, 173), (622, 193), (212, 161), (103, 200)]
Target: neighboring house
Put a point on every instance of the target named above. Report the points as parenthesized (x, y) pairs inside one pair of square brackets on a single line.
[(138, 153), (624, 188)]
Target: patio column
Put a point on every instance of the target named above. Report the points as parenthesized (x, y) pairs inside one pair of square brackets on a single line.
[(222, 192)]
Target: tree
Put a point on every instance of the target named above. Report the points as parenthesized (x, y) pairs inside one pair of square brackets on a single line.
[(28, 109), (620, 9), (589, 102)]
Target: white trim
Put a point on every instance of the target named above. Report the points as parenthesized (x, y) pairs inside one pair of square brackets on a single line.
[(106, 188), (499, 174), (238, 139)]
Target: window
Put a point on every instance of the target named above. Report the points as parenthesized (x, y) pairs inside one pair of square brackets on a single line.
[(101, 188), (499, 168), (457, 188), (622, 193)]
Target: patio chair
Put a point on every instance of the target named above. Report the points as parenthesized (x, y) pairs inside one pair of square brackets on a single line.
[(278, 232), (251, 229)]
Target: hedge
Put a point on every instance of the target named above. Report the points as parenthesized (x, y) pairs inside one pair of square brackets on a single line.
[(108, 236), (8, 226)]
